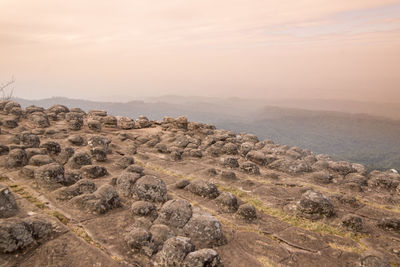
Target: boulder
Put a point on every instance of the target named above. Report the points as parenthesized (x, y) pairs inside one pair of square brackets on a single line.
[(315, 205), (8, 205), (247, 212), (93, 171), (30, 140), (204, 231), (142, 122), (140, 240), (203, 188), (151, 188), (374, 261), (79, 159), (203, 257), (76, 140), (124, 162), (17, 158), (341, 167), (99, 202), (160, 234), (99, 141), (94, 125), (126, 183), (39, 160), (182, 184), (51, 147), (83, 186), (144, 208), (4, 150), (99, 154), (175, 213), (352, 223), (174, 251), (228, 175), (323, 177), (390, 224), (126, 123), (50, 173), (230, 162), (39, 119), (250, 168), (227, 202)]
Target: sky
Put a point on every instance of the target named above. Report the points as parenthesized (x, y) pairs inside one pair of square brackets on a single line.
[(126, 49)]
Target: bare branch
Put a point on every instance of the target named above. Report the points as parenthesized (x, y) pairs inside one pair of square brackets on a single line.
[(5, 90)]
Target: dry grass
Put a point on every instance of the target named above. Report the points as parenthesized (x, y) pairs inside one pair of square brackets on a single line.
[(349, 249), (266, 262)]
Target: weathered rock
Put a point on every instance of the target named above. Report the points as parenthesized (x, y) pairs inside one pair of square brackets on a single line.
[(140, 240), (383, 180), (17, 158), (315, 205), (228, 175), (374, 261), (99, 154), (203, 258), (99, 141), (136, 169), (250, 167), (126, 123), (160, 233), (247, 212), (93, 171), (204, 231), (257, 157), (29, 140), (353, 223), (39, 160), (151, 188), (10, 122), (39, 119), (50, 173), (227, 202), (230, 149), (94, 125), (230, 162), (126, 183), (203, 188), (142, 122), (8, 205), (74, 121), (101, 201), (390, 224), (65, 154), (246, 148), (57, 109), (144, 208), (124, 162), (83, 186), (51, 147), (18, 234), (28, 171), (341, 167), (4, 150), (30, 152), (175, 213), (322, 177), (182, 184), (76, 140), (79, 159), (174, 251)]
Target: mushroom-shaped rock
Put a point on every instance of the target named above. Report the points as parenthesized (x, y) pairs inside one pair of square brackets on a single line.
[(151, 188), (175, 213), (227, 202), (174, 251), (8, 205), (94, 125), (99, 154), (126, 183), (315, 205), (203, 188), (204, 231), (205, 257), (126, 123), (247, 212), (93, 171)]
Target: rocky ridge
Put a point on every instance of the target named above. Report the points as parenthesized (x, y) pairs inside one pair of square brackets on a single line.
[(93, 189)]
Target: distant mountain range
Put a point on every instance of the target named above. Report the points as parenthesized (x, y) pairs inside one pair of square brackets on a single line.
[(347, 130)]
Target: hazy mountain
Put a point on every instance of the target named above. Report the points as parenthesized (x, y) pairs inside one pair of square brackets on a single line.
[(349, 135)]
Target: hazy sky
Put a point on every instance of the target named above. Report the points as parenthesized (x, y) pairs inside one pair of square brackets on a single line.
[(123, 49)]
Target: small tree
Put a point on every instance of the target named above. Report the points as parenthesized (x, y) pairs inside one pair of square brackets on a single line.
[(6, 90)]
